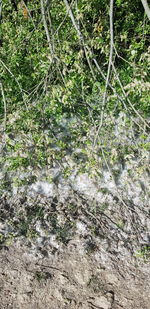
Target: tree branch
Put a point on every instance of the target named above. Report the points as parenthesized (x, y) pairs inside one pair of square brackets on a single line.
[(46, 29), (109, 65), (146, 8), (5, 106), (20, 88), (80, 36)]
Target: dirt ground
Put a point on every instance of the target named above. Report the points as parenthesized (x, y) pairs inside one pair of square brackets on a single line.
[(71, 278)]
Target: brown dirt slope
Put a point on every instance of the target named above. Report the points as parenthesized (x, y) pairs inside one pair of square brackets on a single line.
[(71, 278)]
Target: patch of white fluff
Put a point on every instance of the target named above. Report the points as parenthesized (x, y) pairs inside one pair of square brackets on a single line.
[(19, 190), (15, 190), (81, 227), (43, 188), (108, 181), (60, 219), (64, 191), (100, 197), (83, 184), (39, 229), (53, 242)]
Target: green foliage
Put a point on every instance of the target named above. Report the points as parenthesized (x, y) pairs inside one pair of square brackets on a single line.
[(25, 52), (41, 87), (144, 253), (42, 275)]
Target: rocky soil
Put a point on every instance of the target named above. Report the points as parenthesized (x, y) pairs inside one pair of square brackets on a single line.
[(71, 278)]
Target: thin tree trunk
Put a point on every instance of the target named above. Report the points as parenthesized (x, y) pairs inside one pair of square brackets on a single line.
[(146, 8)]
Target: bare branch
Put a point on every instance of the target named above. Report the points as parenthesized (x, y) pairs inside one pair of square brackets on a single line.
[(80, 36), (109, 65), (51, 30), (28, 12), (46, 29), (1, 3), (5, 106), (128, 100), (73, 20), (146, 8), (20, 88)]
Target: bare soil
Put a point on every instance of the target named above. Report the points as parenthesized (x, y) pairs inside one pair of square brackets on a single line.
[(71, 278)]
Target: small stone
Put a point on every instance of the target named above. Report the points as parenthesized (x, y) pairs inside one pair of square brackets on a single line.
[(102, 302)]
